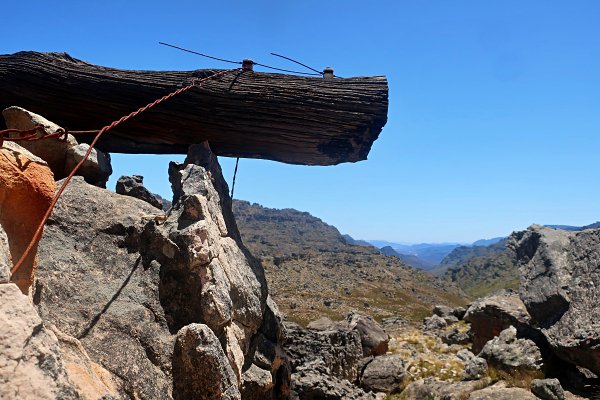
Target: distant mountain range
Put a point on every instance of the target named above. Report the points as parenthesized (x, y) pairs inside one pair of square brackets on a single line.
[(312, 270), (425, 256)]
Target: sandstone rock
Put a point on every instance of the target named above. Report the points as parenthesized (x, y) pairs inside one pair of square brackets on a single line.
[(5, 258), (312, 381), (559, 286), (499, 391), (459, 312), (323, 324), (492, 314), (383, 374), (31, 366), (200, 368), (257, 383), (61, 155), (433, 323), (509, 353), (373, 338), (475, 367), (53, 151), (339, 350), (445, 312), (456, 337), (91, 380), (95, 170), (547, 389), (26, 190), (434, 389), (134, 186)]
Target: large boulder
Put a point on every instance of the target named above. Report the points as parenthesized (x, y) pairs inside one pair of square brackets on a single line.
[(383, 374), (509, 353), (312, 381), (492, 314), (559, 286), (53, 151), (61, 155), (339, 350), (547, 389), (134, 186), (124, 278), (26, 189), (373, 338)]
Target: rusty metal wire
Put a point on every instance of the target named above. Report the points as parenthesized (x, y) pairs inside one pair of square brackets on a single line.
[(40, 228)]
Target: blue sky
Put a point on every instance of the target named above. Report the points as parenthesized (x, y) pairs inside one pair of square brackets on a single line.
[(493, 120)]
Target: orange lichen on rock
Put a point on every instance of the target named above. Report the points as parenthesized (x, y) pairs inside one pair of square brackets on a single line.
[(26, 190)]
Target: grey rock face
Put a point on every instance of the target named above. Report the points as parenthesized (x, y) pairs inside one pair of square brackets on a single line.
[(383, 374), (134, 186), (339, 350), (123, 278), (373, 338), (475, 367), (492, 314), (5, 258), (559, 286), (31, 365), (507, 352), (96, 168), (547, 389), (312, 381), (96, 289), (200, 368)]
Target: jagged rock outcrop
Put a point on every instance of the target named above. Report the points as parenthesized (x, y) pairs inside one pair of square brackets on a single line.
[(509, 353), (26, 190), (492, 314), (61, 155), (134, 186), (559, 286), (124, 278)]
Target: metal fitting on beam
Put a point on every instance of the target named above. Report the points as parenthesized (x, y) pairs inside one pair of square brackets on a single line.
[(247, 65)]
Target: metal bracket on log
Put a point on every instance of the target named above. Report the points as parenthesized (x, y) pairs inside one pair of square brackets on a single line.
[(287, 118)]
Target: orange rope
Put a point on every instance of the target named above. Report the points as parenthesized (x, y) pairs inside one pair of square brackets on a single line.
[(38, 232)]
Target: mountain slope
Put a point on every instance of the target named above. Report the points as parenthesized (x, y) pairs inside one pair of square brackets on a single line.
[(312, 271), (480, 270)]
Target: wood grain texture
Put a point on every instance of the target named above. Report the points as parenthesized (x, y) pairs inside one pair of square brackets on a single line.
[(293, 119)]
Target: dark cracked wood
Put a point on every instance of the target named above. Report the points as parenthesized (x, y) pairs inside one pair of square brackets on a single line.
[(286, 118)]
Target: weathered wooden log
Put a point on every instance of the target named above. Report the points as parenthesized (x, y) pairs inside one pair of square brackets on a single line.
[(293, 119)]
